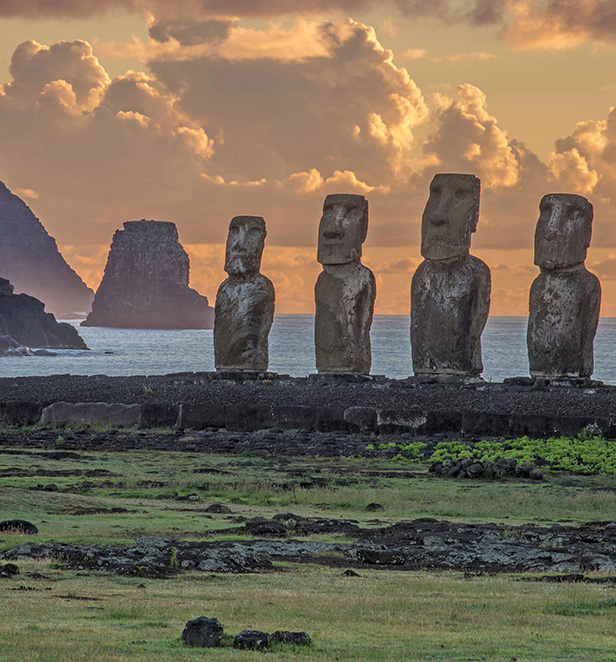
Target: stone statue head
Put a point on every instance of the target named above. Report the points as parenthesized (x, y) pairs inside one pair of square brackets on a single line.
[(245, 245), (342, 229), (563, 230), (450, 216)]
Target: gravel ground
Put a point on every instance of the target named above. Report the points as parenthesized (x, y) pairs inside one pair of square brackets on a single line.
[(199, 388)]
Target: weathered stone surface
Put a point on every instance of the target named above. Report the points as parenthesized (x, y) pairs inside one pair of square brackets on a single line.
[(91, 413), (19, 525), (426, 544), (9, 570), (203, 632), (450, 290), (345, 290), (245, 300), (145, 284), (286, 637), (30, 259), (24, 319), (20, 412), (159, 414), (251, 640), (565, 297)]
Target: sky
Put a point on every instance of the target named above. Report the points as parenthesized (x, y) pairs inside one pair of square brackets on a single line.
[(195, 111)]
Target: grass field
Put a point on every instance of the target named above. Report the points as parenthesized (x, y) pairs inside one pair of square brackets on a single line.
[(50, 614)]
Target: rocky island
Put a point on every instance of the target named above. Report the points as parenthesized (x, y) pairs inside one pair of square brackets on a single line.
[(145, 285), (30, 259), (24, 320)]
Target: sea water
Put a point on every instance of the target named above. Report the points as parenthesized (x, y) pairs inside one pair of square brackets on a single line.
[(154, 352)]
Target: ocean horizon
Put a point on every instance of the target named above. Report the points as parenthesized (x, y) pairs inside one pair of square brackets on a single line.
[(116, 352)]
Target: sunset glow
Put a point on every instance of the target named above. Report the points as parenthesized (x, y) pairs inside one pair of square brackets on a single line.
[(195, 111)]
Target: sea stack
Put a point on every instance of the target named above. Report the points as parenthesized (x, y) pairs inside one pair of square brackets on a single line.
[(30, 259), (23, 318), (145, 285)]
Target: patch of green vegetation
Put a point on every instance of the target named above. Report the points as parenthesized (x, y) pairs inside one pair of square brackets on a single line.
[(584, 454)]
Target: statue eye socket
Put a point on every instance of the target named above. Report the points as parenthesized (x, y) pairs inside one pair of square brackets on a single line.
[(253, 232)]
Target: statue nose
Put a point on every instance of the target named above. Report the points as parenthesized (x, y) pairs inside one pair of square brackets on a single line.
[(555, 222), (439, 219)]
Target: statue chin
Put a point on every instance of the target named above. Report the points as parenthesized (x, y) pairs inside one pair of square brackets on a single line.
[(241, 267), (441, 251), (333, 255)]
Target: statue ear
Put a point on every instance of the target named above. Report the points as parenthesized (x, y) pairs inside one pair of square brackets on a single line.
[(364, 222), (587, 229)]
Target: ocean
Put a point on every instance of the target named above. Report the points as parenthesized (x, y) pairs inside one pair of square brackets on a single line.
[(152, 352)]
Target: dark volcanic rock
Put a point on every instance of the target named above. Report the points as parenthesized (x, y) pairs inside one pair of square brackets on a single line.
[(145, 285), (24, 319), (8, 570), (252, 640), (203, 632), (30, 259), (424, 543), (286, 637), (19, 525)]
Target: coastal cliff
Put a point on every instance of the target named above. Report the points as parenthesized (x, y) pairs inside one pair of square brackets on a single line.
[(30, 259), (145, 284)]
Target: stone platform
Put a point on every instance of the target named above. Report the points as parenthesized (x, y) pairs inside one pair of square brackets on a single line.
[(374, 405)]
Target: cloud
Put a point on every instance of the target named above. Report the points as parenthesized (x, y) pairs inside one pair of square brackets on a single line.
[(66, 69), (94, 149), (422, 54), (345, 107), (27, 193), (551, 24), (514, 269), (468, 139), (556, 24), (588, 157), (405, 265), (605, 269), (190, 32), (415, 54), (214, 131), (546, 24), (195, 8)]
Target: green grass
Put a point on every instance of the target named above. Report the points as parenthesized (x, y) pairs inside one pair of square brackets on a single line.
[(152, 487), (378, 616), (382, 615)]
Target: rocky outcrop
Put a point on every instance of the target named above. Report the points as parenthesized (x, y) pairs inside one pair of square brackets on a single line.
[(24, 319), (145, 285), (30, 259)]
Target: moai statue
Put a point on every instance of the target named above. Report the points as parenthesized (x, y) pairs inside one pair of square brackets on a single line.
[(450, 290), (345, 290), (245, 301), (565, 297)]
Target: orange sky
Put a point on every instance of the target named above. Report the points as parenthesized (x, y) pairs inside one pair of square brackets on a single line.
[(195, 111)]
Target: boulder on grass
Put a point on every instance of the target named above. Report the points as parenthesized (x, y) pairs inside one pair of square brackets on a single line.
[(252, 640), (286, 637), (18, 526), (203, 632)]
